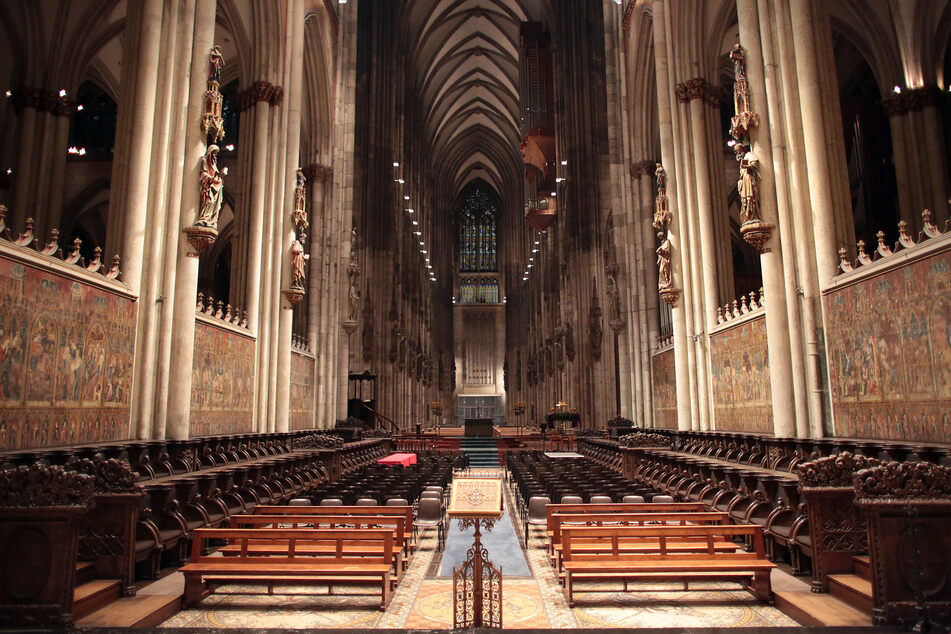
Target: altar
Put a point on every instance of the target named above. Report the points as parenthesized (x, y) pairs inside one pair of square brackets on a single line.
[(479, 427)]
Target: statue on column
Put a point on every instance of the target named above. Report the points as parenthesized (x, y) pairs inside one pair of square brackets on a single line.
[(300, 202), (212, 119), (748, 188), (745, 119), (662, 214), (353, 294), (211, 183), (664, 277), (298, 263)]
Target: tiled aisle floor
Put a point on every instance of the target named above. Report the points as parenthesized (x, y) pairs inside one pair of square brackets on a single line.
[(421, 602)]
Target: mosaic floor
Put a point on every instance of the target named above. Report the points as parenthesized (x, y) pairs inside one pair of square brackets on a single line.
[(425, 601)]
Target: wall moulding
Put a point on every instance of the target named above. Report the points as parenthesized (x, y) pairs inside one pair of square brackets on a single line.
[(28, 256)]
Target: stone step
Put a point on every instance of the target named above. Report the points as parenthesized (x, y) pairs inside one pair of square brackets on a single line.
[(820, 610), (862, 566), (144, 610), (85, 572), (92, 595), (852, 589)]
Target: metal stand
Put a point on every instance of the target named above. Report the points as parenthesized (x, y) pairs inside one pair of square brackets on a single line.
[(477, 584)]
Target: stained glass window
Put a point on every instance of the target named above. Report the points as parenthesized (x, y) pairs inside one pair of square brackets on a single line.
[(477, 233)]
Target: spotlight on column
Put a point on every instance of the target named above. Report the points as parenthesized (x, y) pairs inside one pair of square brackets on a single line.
[(395, 164), (8, 94), (62, 93), (79, 108), (230, 147), (896, 89)]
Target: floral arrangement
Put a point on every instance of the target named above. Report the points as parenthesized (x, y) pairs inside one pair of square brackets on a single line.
[(561, 412)]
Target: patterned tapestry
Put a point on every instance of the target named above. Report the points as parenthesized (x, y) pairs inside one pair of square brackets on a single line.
[(889, 349), (302, 391), (66, 351), (664, 378), (222, 381), (740, 368)]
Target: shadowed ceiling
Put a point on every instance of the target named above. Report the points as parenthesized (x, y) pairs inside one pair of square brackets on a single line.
[(465, 54)]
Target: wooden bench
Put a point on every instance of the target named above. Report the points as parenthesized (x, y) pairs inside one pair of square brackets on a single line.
[(647, 507), (348, 511), (636, 544), (397, 524), (294, 564), (610, 563)]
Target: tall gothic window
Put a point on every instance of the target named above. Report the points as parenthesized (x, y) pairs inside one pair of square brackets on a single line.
[(477, 233)]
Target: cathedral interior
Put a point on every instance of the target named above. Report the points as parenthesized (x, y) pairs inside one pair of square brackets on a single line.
[(284, 282)]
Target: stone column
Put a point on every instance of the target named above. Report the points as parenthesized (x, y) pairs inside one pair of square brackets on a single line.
[(343, 197), (27, 100), (186, 280), (649, 272), (777, 324), (135, 205), (664, 91), (178, 69), (296, 74), (792, 287), (263, 94), (63, 114), (820, 187)]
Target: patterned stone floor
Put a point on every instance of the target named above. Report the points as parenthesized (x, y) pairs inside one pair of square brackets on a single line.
[(537, 602)]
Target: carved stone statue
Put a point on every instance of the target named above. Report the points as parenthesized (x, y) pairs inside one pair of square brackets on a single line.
[(741, 91), (300, 202), (662, 215), (661, 175), (664, 278), (211, 183), (216, 62), (298, 262), (748, 188), (354, 299)]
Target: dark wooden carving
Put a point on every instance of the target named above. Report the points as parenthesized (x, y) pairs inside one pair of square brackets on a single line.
[(40, 509), (837, 531), (107, 531), (908, 509)]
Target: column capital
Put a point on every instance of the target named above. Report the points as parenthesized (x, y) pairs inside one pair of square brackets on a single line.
[(261, 91), (42, 100), (910, 100), (316, 172), (697, 88), (640, 168)]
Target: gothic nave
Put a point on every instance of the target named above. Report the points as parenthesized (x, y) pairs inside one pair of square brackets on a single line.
[(255, 252)]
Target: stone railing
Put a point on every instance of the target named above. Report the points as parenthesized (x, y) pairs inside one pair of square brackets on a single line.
[(221, 311), (905, 241), (300, 343), (51, 249), (744, 305)]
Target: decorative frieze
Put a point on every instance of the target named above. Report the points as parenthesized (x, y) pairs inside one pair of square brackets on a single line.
[(882, 250), (27, 239), (221, 311)]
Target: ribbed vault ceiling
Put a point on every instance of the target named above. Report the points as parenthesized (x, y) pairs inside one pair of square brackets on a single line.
[(466, 60)]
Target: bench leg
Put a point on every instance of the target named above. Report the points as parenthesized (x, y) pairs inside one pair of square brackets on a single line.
[(195, 589), (568, 591), (761, 587), (385, 599)]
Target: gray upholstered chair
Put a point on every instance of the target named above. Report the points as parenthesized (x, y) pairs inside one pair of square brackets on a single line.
[(601, 499), (536, 513), (632, 499), (662, 499), (331, 502)]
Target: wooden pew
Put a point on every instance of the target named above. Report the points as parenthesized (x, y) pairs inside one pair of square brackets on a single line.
[(752, 569), (553, 509), (294, 565), (346, 511), (397, 524), (634, 545)]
